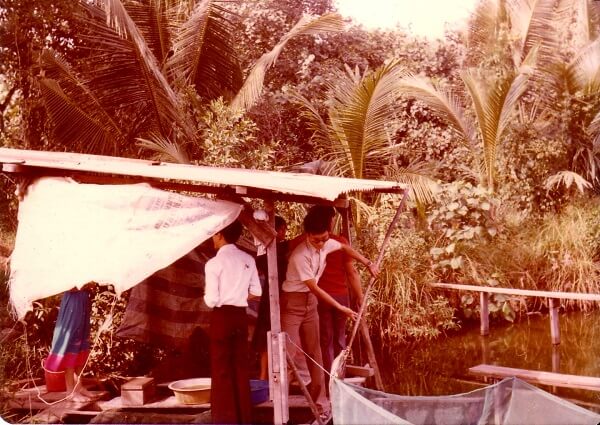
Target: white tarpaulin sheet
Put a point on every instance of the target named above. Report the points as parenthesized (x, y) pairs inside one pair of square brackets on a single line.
[(70, 234)]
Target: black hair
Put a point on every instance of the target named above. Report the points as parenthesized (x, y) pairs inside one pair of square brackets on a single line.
[(279, 222), (325, 211), (316, 223), (232, 232)]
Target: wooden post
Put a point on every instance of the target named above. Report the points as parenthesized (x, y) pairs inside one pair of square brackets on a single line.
[(371, 356), (555, 359), (484, 313), (276, 347), (555, 362), (485, 350), (363, 328), (311, 402), (553, 305)]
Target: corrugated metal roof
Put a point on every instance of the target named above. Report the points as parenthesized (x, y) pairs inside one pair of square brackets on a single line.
[(324, 187)]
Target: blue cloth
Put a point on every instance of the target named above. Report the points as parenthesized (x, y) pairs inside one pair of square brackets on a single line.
[(70, 342)]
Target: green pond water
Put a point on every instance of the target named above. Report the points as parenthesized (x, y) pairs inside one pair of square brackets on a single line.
[(440, 367)]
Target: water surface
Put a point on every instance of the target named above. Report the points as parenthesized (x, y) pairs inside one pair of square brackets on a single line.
[(440, 367)]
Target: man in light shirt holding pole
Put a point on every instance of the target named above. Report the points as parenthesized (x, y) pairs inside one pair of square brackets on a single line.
[(299, 317), (230, 278)]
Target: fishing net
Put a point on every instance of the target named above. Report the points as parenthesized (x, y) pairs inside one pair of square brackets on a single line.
[(510, 401)]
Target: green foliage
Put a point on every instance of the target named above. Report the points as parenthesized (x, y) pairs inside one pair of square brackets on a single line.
[(462, 216), (566, 249), (229, 139), (402, 306)]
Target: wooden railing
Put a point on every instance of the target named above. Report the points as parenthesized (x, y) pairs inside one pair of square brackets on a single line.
[(552, 296)]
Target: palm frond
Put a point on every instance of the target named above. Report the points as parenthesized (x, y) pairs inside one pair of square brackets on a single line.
[(152, 20), (583, 73), (73, 124), (494, 109), (359, 118), (165, 149), (315, 123), (204, 52), (129, 74), (418, 176), (537, 24), (483, 27), (307, 25), (444, 104), (567, 179)]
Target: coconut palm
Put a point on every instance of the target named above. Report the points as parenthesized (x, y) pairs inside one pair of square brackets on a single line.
[(566, 82), (146, 61), (493, 106), (355, 136)]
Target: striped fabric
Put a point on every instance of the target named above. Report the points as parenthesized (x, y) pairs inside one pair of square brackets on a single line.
[(167, 307), (71, 339)]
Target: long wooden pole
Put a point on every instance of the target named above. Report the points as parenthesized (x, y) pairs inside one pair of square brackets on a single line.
[(386, 240), (364, 330), (311, 403), (276, 339)]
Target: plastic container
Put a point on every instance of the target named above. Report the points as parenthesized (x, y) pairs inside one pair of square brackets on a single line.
[(259, 391), (55, 381), (191, 391)]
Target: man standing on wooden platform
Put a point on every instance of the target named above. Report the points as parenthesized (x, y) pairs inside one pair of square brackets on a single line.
[(339, 275), (299, 317), (231, 277)]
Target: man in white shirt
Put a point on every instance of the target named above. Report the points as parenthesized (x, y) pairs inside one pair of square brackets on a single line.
[(230, 278), (299, 317)]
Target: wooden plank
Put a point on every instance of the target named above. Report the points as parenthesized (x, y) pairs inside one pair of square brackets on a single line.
[(57, 412), (364, 371), (28, 399), (538, 377), (520, 292), (162, 404)]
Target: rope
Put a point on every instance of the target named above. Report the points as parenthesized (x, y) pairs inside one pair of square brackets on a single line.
[(306, 354)]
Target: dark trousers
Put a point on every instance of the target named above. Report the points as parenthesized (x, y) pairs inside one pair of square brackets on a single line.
[(230, 388), (332, 327)]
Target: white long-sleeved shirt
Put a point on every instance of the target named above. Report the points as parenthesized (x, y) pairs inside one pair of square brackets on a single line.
[(229, 277)]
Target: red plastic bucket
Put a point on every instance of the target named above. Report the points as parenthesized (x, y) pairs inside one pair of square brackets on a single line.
[(55, 381)]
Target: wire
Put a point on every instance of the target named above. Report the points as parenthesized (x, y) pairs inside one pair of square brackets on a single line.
[(103, 327)]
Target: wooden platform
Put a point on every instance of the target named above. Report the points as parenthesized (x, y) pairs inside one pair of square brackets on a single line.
[(52, 407), (538, 377)]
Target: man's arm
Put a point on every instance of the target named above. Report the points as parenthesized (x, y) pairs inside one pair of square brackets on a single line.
[(254, 289), (354, 281), (314, 288), (351, 252), (211, 285)]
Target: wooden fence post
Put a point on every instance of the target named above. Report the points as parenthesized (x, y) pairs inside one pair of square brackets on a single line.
[(484, 313), (554, 325)]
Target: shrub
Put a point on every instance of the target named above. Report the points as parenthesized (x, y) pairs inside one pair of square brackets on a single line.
[(401, 306)]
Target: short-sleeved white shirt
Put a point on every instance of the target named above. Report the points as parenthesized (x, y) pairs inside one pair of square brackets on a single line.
[(305, 263), (229, 277)]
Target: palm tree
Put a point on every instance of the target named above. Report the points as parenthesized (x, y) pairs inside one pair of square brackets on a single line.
[(146, 61), (493, 106), (566, 85), (355, 136)]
